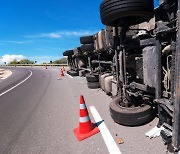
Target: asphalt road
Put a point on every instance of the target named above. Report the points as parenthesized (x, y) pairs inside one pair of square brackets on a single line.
[(39, 116)]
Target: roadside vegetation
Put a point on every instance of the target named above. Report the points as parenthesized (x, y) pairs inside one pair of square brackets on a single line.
[(27, 61), (24, 61)]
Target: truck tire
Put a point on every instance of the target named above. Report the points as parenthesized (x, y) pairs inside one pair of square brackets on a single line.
[(92, 78), (73, 73), (87, 47), (130, 116), (64, 53), (68, 72), (118, 12), (87, 39), (68, 53), (93, 85)]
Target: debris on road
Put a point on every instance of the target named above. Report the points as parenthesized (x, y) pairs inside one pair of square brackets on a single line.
[(120, 141), (154, 132)]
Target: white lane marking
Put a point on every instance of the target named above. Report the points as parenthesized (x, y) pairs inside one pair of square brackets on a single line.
[(17, 84), (108, 139), (69, 75)]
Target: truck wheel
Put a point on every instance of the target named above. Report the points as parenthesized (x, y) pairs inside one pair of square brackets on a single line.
[(134, 116), (73, 73), (87, 39), (64, 53), (68, 53), (92, 78), (118, 12), (87, 47), (69, 71), (93, 85)]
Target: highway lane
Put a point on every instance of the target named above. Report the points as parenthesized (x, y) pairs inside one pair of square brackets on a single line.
[(17, 76), (18, 105), (39, 116)]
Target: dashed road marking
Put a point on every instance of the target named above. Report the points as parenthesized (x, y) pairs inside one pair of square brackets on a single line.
[(108, 139), (17, 84)]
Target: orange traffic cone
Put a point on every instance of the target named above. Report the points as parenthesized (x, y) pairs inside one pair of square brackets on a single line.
[(86, 127), (63, 68), (62, 73)]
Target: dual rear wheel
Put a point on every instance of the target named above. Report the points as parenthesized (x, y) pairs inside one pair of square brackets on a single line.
[(124, 13)]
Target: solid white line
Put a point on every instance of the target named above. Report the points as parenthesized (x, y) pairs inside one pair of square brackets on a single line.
[(108, 139), (69, 75), (17, 84)]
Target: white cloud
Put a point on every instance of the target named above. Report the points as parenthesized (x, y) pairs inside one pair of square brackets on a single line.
[(45, 35), (16, 42), (8, 58), (60, 34), (53, 35), (76, 33)]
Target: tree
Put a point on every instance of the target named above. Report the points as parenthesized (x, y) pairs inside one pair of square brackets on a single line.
[(13, 62), (60, 61), (26, 61), (23, 61)]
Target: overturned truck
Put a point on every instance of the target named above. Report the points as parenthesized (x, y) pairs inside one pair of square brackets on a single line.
[(147, 59), (136, 60)]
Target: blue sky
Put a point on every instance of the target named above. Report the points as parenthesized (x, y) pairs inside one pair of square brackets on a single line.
[(42, 30)]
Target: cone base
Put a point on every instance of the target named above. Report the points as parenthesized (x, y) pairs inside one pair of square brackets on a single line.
[(81, 136)]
